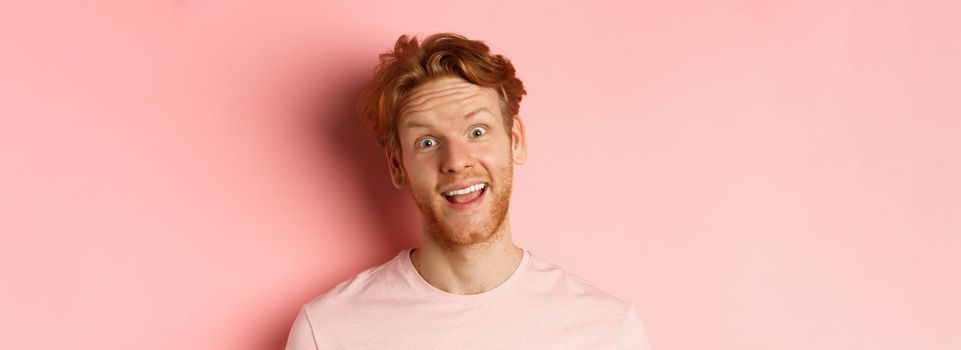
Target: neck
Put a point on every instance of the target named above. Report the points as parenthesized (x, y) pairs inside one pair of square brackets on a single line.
[(470, 269)]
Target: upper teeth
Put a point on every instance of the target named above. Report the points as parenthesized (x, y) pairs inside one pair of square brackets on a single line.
[(467, 190)]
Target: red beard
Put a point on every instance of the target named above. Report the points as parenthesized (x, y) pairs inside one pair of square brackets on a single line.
[(499, 193)]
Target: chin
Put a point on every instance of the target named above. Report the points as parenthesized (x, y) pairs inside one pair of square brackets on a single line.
[(463, 234)]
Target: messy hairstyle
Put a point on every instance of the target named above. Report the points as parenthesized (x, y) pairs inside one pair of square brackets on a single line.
[(411, 64)]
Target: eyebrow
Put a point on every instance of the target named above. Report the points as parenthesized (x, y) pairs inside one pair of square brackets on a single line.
[(414, 124)]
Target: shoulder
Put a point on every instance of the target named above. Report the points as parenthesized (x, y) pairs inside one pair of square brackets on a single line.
[(553, 281), (609, 316), (366, 285)]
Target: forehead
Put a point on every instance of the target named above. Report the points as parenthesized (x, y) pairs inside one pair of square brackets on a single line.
[(445, 96)]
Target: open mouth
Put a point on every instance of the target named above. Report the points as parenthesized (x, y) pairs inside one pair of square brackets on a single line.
[(466, 197)]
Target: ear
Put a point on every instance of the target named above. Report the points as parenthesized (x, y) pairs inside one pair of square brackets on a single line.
[(518, 141), (398, 177)]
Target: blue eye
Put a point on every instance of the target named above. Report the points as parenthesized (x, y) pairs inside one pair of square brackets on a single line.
[(478, 131), (427, 143)]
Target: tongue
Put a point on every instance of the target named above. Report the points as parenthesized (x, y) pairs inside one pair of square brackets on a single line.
[(464, 198)]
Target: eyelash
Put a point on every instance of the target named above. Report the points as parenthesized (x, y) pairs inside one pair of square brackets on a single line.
[(421, 141), (478, 127)]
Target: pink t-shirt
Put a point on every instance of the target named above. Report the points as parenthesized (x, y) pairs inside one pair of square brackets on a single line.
[(540, 306)]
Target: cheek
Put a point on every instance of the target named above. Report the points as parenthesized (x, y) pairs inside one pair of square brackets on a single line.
[(496, 153), (419, 173)]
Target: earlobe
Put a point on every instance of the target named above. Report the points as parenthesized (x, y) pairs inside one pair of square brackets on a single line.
[(518, 142)]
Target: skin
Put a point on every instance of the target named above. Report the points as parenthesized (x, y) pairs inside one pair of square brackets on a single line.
[(463, 251)]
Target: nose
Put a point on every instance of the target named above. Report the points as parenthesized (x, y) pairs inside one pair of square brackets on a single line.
[(457, 158)]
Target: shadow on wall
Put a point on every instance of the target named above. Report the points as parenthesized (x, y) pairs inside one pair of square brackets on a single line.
[(392, 211), (325, 110)]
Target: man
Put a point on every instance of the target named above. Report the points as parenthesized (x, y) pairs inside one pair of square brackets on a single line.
[(446, 112)]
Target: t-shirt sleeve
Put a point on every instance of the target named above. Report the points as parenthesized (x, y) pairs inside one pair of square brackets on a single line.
[(301, 334), (634, 335)]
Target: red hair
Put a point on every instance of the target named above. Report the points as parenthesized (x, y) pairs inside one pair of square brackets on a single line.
[(411, 64)]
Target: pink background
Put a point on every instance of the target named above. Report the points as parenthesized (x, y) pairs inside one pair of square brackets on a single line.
[(752, 175)]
